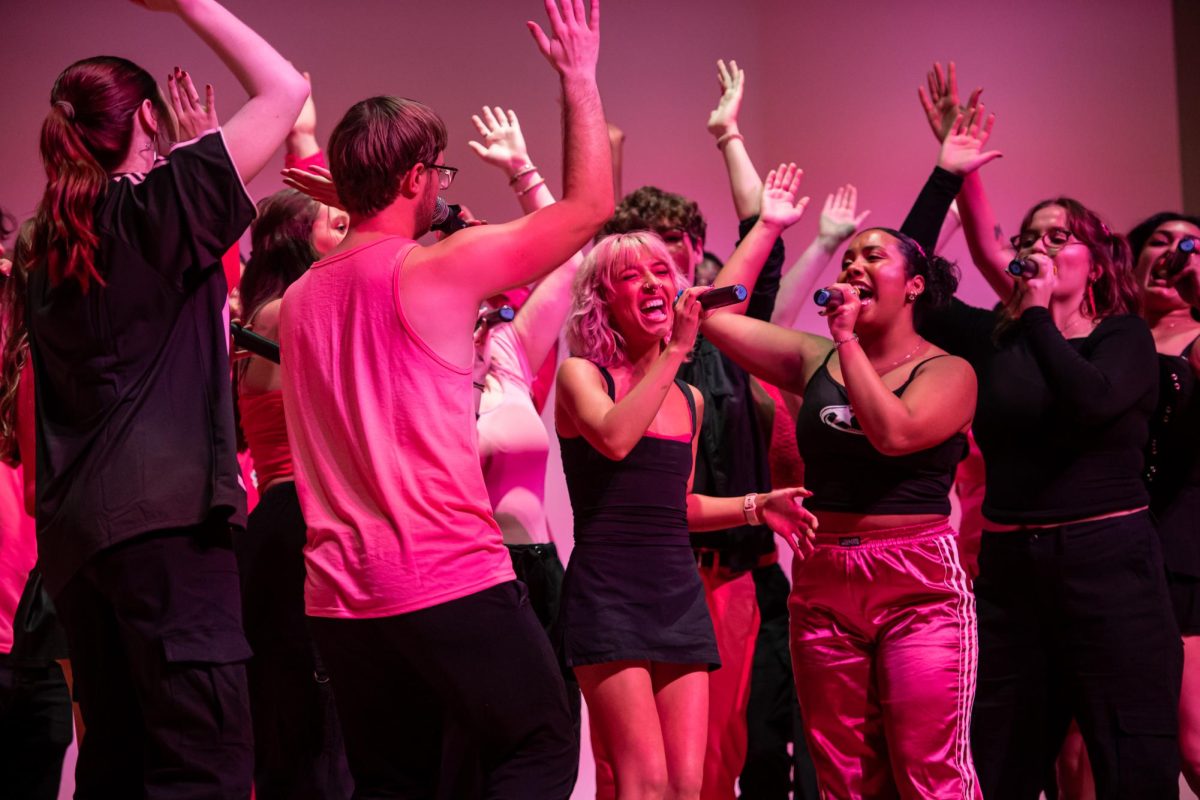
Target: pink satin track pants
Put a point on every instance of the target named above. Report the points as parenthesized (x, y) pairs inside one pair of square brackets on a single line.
[(884, 649)]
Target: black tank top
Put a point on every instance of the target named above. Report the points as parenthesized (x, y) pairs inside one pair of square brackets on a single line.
[(846, 473), (639, 500)]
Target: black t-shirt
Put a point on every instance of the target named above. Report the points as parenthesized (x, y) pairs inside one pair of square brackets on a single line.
[(731, 455), (135, 427)]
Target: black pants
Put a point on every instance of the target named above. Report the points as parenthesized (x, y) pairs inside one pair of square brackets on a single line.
[(298, 751), (154, 625), (482, 661), (773, 713), (539, 568), (35, 729), (1074, 622)]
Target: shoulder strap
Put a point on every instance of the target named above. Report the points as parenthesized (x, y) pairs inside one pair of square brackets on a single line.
[(608, 381), (1187, 351), (691, 401), (916, 367)]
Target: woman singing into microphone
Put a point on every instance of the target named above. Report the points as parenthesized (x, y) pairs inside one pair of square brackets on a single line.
[(634, 623), (882, 616), (1074, 618)]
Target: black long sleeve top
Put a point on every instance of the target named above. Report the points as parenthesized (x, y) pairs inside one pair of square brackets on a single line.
[(1062, 423)]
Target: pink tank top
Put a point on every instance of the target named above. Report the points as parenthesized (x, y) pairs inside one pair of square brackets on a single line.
[(382, 431)]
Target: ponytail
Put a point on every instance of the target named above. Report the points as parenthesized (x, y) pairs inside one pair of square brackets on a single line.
[(86, 136)]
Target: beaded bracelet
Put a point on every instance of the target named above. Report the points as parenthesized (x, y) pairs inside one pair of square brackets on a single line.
[(839, 342)]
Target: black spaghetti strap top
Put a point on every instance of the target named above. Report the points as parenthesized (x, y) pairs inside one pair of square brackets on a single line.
[(846, 473), (639, 500)]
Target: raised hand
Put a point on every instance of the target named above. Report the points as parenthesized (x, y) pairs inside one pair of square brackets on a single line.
[(838, 222), (576, 44), (962, 151), (192, 117), (316, 182), (783, 513), (503, 143), (724, 118), (778, 207), (941, 101)]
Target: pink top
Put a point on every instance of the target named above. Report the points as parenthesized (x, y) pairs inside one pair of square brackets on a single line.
[(18, 537), (513, 443), (383, 445)]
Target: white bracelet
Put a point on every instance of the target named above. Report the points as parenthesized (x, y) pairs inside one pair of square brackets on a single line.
[(839, 342), (750, 509)]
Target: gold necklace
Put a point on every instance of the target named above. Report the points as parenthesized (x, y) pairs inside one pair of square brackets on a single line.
[(900, 361)]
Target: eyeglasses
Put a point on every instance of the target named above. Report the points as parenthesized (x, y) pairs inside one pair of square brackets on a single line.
[(445, 174), (1054, 239)]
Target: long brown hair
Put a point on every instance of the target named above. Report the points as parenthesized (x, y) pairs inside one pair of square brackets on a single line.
[(1114, 291), (85, 137), (14, 342)]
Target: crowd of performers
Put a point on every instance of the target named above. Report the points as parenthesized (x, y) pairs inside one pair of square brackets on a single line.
[(392, 618)]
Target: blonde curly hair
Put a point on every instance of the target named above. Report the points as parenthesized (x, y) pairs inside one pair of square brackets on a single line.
[(590, 333)]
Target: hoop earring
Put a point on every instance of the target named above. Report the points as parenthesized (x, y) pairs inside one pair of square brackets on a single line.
[(911, 297)]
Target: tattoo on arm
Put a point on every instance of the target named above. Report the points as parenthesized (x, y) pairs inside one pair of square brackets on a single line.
[(998, 232)]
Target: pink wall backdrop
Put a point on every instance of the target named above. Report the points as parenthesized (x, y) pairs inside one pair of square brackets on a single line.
[(1084, 93)]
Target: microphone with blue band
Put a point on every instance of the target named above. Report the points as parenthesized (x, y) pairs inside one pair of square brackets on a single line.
[(716, 298)]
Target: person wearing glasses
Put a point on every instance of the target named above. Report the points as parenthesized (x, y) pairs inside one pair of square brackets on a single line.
[(410, 593), (1074, 616)]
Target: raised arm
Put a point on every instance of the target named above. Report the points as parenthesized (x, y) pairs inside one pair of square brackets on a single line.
[(541, 318), (744, 183), (583, 407), (276, 89), (838, 223), (301, 143), (990, 250), (521, 251), (779, 210)]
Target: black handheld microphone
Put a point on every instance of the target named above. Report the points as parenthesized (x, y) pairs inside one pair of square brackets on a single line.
[(253, 343), (497, 315), (447, 218), (824, 297), (1023, 268), (715, 298), (725, 296), (1177, 259)]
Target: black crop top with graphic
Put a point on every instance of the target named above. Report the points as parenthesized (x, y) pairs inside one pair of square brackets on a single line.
[(846, 473)]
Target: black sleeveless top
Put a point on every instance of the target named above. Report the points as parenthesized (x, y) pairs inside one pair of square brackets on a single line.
[(639, 500), (846, 473), (1173, 464)]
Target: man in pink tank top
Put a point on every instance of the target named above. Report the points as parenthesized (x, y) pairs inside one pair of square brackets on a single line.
[(410, 592)]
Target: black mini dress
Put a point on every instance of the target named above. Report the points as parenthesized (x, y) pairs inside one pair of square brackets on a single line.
[(632, 590)]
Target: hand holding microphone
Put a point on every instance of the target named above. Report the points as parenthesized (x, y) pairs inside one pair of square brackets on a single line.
[(841, 305), (1170, 264)]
